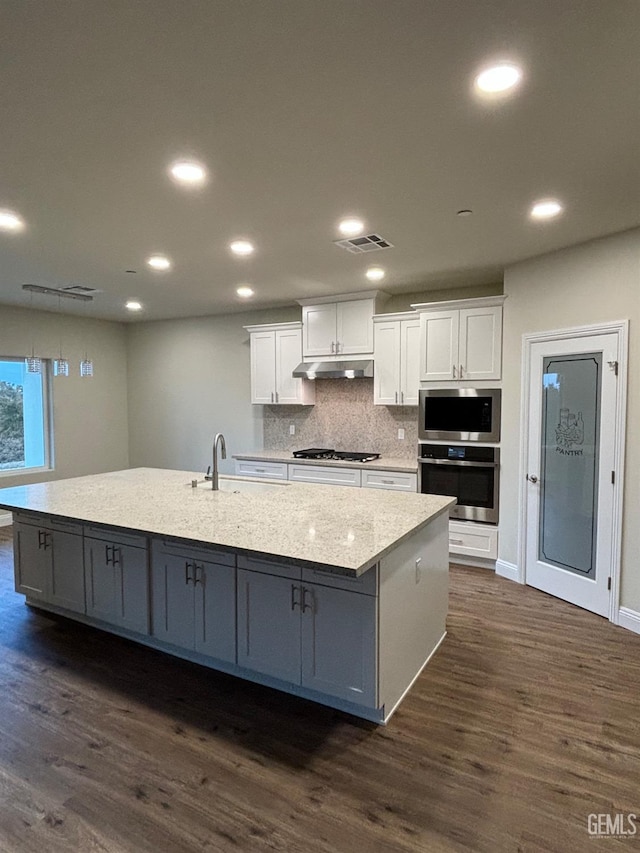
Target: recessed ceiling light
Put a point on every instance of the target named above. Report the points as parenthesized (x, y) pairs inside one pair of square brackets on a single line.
[(10, 221), (498, 79), (159, 262), (133, 305), (375, 273), (242, 247), (351, 226), (546, 209), (189, 173), (465, 212), (244, 291)]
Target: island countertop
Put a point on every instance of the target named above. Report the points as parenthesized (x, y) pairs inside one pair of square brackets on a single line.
[(332, 526)]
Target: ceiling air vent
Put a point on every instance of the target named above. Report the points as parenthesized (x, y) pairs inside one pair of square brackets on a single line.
[(358, 245)]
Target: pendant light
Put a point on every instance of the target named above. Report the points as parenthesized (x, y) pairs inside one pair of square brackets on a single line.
[(86, 364), (33, 362), (60, 364)]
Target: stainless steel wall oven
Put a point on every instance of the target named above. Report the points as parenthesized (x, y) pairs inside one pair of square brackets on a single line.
[(459, 414), (468, 472)]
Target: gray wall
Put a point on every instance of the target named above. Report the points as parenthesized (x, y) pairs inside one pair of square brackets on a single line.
[(189, 379), (90, 424), (586, 284)]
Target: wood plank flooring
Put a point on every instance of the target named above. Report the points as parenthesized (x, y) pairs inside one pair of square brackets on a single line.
[(524, 723)]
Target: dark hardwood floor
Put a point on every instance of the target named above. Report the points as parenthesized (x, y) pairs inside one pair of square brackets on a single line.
[(524, 723)]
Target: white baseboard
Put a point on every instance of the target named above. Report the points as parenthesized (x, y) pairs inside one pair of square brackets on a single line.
[(507, 570), (5, 519), (629, 619)]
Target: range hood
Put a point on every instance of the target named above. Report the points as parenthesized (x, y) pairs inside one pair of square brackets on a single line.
[(334, 369)]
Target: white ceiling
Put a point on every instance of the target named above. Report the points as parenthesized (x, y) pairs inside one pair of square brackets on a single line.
[(305, 110)]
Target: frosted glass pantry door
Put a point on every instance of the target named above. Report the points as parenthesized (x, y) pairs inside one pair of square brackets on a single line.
[(570, 460)]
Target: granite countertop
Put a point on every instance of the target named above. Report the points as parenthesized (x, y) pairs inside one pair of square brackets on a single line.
[(344, 529), (387, 463)]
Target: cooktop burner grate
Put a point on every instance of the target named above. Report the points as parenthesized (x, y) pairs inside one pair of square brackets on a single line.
[(330, 453)]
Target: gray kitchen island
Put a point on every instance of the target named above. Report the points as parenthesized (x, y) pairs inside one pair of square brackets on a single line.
[(332, 594)]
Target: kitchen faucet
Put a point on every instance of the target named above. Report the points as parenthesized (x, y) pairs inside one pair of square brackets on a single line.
[(214, 472)]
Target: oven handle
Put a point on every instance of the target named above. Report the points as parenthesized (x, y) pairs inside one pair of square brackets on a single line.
[(458, 462)]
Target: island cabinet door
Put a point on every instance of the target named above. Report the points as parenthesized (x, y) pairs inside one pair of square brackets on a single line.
[(67, 569), (173, 599), (339, 643), (32, 550), (269, 625), (117, 584), (215, 610)]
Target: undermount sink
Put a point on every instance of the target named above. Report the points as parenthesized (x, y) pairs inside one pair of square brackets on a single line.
[(242, 486)]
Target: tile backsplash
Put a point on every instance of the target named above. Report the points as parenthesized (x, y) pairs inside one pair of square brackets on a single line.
[(344, 418)]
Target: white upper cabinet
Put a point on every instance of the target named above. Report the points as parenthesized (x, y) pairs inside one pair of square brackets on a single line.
[(461, 341), (397, 360), (276, 350), (341, 327)]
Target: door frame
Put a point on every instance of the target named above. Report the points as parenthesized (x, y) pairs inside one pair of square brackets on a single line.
[(621, 330)]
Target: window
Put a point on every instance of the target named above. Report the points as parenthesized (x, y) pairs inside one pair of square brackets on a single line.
[(24, 421)]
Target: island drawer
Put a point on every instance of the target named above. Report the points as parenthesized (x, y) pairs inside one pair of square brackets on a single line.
[(254, 468), (189, 552), (325, 474), (269, 567), (366, 583), (395, 480), (110, 534)]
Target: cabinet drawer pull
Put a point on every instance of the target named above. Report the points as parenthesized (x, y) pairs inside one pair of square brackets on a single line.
[(389, 482), (456, 541), (260, 470), (306, 606), (460, 371)]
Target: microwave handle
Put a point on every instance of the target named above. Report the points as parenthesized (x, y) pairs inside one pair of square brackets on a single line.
[(458, 462)]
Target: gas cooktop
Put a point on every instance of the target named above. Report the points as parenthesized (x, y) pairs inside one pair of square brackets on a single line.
[(329, 453)]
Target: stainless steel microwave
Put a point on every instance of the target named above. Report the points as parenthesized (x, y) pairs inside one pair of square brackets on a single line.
[(459, 414)]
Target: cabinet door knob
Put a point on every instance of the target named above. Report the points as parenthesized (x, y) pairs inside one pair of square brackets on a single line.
[(532, 478)]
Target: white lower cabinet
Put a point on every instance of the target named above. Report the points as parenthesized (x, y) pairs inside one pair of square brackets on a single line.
[(395, 480), (194, 599), (328, 475), (116, 573), (313, 635), (468, 539), (48, 561), (254, 468)]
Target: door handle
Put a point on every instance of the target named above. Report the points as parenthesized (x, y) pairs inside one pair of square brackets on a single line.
[(532, 478)]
